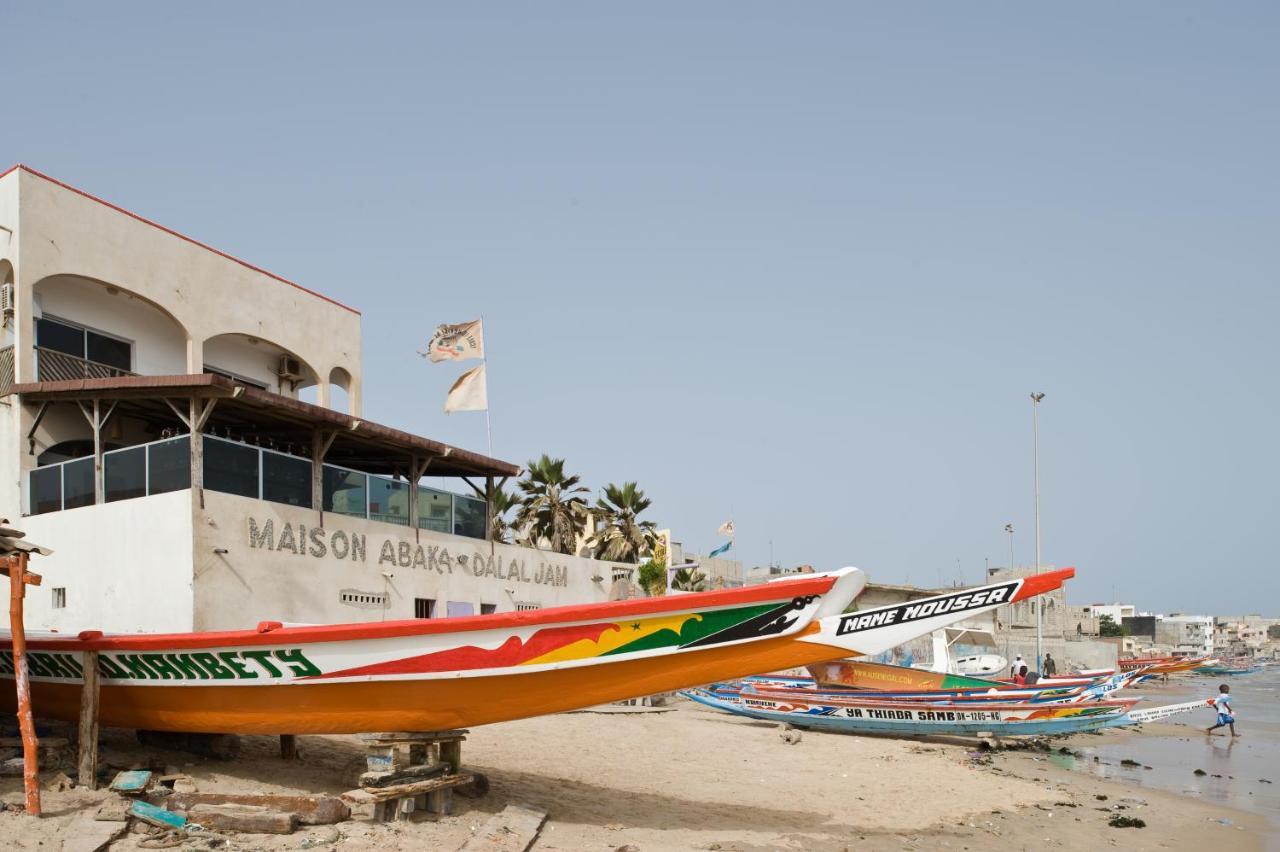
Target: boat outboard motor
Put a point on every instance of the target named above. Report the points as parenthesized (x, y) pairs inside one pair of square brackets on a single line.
[(1032, 677)]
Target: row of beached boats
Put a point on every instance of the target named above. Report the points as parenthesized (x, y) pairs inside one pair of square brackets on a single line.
[(1194, 665), (848, 696)]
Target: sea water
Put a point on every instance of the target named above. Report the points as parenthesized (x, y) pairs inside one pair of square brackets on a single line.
[(1240, 773)]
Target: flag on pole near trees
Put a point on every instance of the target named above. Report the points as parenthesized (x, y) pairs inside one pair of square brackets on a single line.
[(457, 342), (468, 392), (725, 529)]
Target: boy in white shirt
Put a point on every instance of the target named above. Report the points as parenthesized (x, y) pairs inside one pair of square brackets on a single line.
[(1223, 705)]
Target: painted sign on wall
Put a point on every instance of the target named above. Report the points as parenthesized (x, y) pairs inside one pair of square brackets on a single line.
[(395, 552)]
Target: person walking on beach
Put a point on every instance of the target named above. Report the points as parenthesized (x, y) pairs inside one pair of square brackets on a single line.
[(1050, 667), (1223, 705)]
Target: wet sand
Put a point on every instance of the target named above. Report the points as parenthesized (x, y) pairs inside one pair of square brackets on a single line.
[(696, 779)]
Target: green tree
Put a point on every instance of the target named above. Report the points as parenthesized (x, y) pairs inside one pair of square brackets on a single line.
[(653, 577), (500, 528), (620, 536), (1107, 627), (550, 508), (689, 580)]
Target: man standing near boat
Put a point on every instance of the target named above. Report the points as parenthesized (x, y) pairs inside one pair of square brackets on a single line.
[(1050, 668)]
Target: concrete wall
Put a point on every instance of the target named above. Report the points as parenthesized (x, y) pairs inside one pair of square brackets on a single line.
[(126, 566), (252, 582)]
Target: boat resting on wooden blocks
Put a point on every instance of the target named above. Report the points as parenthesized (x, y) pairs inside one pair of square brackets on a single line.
[(432, 674)]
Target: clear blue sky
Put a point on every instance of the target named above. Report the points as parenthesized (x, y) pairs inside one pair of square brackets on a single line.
[(800, 265)]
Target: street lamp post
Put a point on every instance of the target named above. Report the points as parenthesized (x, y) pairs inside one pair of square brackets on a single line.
[(1035, 430)]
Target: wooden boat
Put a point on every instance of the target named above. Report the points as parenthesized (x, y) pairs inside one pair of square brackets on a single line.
[(918, 720), (1163, 665), (433, 674), (855, 674)]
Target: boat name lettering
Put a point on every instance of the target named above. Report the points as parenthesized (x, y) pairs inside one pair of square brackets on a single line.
[(855, 622), (319, 543), (248, 664)]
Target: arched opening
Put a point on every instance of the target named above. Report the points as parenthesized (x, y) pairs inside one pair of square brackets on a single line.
[(86, 328), (255, 362), (340, 390)]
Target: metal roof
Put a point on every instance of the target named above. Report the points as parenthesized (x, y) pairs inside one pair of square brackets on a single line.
[(272, 419)]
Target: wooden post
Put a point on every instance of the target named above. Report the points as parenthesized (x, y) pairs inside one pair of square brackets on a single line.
[(88, 770), (288, 747), (19, 578)]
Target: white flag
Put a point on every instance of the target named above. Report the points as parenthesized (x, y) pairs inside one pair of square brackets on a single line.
[(459, 342), (726, 529), (468, 392)]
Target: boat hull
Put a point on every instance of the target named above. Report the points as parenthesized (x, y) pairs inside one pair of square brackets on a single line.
[(446, 673)]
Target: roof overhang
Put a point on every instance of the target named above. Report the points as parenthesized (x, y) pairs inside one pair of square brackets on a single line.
[(357, 442)]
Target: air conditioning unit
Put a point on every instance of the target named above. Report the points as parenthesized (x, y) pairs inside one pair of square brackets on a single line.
[(290, 369), (6, 300)]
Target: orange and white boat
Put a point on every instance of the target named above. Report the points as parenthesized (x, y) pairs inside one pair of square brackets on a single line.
[(1163, 665), (444, 673)]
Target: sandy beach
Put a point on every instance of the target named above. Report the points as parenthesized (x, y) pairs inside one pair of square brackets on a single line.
[(693, 779)]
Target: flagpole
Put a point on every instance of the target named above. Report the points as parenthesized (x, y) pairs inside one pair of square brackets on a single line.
[(488, 427)]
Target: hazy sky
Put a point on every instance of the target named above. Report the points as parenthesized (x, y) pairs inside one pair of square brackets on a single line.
[(795, 264)]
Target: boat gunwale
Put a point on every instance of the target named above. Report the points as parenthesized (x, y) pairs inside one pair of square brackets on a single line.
[(271, 633)]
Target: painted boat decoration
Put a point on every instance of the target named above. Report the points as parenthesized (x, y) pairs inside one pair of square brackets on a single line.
[(434, 674), (1163, 665), (918, 720), (1030, 696)]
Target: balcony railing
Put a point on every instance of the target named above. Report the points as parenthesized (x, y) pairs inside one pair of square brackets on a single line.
[(55, 366), (249, 471), (6, 370)]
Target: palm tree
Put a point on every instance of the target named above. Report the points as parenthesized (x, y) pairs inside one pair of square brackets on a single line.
[(503, 501), (550, 509), (689, 580), (621, 537)]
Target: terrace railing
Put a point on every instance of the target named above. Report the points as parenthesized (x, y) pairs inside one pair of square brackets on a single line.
[(55, 366), (6, 370)]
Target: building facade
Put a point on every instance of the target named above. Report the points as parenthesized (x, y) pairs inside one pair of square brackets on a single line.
[(185, 430)]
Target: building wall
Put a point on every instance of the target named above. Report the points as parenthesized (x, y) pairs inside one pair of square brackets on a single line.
[(251, 582), (60, 232), (126, 566)]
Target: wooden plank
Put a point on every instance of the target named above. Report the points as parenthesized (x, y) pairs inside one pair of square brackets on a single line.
[(131, 781), (513, 829), (310, 810), (149, 813), (250, 819), (413, 736), (405, 775), (89, 694), (385, 794)]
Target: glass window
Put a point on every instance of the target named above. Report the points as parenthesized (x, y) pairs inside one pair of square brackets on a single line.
[(230, 467), (388, 500), (344, 491), (468, 516), (169, 465), (435, 510), (286, 479), (77, 483), (125, 472), (109, 350), (46, 489), (51, 334)]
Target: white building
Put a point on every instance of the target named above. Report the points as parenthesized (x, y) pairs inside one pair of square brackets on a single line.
[(155, 430), (1194, 632), (1117, 612)]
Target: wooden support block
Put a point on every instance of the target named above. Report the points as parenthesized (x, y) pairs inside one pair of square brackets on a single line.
[(288, 747), (310, 810), (440, 801), (382, 758), (403, 776), (87, 767), (513, 829), (413, 736), (250, 819), (386, 794), (451, 754)]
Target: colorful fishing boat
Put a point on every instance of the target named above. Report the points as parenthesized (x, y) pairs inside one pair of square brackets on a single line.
[(433, 674), (917, 720), (855, 674)]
